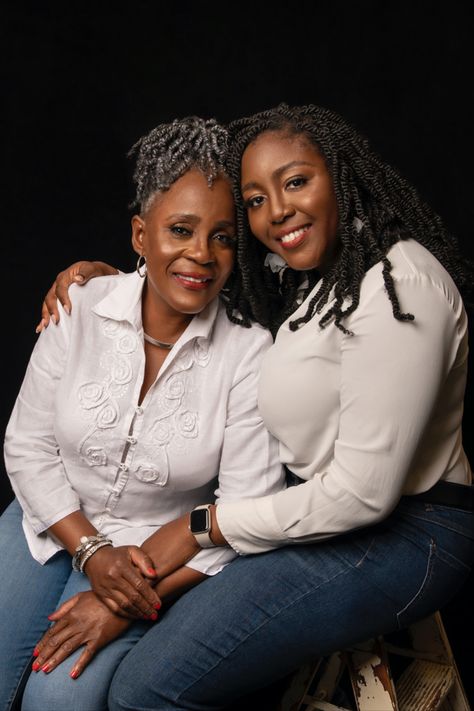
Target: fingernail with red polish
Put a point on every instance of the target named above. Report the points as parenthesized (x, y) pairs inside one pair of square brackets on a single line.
[(157, 605), (35, 666), (36, 652), (50, 617), (46, 668), (153, 617), (74, 674), (151, 571)]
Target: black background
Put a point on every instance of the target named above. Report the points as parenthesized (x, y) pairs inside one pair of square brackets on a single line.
[(82, 81)]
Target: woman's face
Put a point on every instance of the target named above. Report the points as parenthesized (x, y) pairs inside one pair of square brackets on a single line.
[(188, 239), (290, 199)]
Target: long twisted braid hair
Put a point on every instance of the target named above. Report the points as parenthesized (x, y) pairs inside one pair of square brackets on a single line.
[(165, 154), (376, 207)]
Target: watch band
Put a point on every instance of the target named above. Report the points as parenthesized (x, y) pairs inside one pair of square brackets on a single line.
[(202, 534)]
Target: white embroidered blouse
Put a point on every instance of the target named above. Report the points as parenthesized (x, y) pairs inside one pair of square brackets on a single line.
[(78, 440)]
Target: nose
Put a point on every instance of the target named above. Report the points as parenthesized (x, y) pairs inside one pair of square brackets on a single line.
[(280, 210), (201, 250)]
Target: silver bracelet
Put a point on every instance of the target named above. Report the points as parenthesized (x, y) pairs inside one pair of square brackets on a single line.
[(91, 552), (85, 544)]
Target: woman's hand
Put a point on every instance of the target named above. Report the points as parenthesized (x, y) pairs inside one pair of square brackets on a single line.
[(85, 620), (119, 575), (77, 273), (82, 620), (171, 546)]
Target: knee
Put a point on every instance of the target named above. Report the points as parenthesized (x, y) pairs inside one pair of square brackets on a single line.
[(57, 691), (131, 689), (39, 694)]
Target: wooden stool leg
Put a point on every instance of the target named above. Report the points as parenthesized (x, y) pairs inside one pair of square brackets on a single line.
[(371, 677), (313, 686), (430, 679)]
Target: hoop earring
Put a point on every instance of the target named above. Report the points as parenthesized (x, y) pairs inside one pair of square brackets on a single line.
[(141, 266)]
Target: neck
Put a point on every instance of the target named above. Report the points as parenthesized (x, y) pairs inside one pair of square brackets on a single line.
[(161, 323)]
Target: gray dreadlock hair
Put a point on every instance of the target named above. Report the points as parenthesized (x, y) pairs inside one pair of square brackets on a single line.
[(171, 149), (165, 154)]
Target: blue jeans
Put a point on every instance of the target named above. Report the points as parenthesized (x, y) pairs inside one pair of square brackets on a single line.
[(29, 592), (265, 615)]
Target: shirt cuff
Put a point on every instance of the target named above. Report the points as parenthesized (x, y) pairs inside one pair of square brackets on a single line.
[(211, 561), (250, 525)]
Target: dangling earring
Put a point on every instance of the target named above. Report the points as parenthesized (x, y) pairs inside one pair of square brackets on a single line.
[(141, 266)]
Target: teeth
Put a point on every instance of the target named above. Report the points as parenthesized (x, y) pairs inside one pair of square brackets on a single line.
[(293, 235), (190, 278)]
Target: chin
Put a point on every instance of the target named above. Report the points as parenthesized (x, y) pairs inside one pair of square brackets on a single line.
[(302, 264)]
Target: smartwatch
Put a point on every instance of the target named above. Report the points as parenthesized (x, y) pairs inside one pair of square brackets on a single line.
[(200, 525)]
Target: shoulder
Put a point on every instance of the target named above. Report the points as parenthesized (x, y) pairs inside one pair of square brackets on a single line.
[(414, 270), (85, 297)]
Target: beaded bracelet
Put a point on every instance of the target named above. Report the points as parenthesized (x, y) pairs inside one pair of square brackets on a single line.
[(87, 546)]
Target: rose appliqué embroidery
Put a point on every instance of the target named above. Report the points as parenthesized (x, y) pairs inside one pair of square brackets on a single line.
[(108, 415), (92, 395), (96, 456), (187, 423), (99, 399)]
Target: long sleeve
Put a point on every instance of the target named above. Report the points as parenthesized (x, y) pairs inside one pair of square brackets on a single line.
[(400, 394), (32, 457), (80, 437)]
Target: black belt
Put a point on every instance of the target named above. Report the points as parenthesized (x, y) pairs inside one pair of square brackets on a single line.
[(448, 493)]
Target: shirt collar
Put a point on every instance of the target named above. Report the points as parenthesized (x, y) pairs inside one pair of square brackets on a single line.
[(123, 303)]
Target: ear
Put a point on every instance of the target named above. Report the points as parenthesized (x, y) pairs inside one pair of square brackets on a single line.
[(138, 231)]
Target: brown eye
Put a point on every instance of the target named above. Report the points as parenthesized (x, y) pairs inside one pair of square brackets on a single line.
[(297, 182), (253, 202), (225, 239), (180, 231)]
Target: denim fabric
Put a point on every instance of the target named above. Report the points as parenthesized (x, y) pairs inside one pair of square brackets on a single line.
[(253, 623), (265, 615), (56, 691), (29, 592)]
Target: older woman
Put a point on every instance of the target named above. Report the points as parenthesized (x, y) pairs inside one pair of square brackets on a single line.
[(138, 408)]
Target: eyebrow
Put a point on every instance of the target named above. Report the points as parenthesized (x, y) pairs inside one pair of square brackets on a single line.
[(190, 217), (278, 172)]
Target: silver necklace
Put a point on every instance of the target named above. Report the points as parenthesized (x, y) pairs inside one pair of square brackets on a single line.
[(155, 342)]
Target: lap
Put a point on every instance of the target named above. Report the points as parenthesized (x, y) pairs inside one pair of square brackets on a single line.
[(29, 592), (265, 615), (57, 691)]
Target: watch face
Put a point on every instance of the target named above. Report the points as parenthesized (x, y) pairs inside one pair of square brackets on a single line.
[(199, 521)]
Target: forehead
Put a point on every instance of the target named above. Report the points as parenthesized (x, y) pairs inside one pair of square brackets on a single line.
[(276, 148), (192, 194)]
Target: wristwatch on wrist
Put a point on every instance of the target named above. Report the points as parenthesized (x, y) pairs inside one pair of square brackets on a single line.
[(200, 525)]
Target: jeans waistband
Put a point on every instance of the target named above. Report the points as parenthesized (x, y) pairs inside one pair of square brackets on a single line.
[(447, 493)]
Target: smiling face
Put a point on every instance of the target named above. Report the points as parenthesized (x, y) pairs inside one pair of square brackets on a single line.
[(290, 199), (187, 236)]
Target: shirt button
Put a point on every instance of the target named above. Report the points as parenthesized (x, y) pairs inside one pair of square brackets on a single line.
[(123, 467), (131, 440), (139, 410)]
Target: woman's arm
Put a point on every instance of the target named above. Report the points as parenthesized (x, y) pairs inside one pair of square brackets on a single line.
[(77, 273), (40, 482), (85, 621), (117, 575), (392, 374)]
